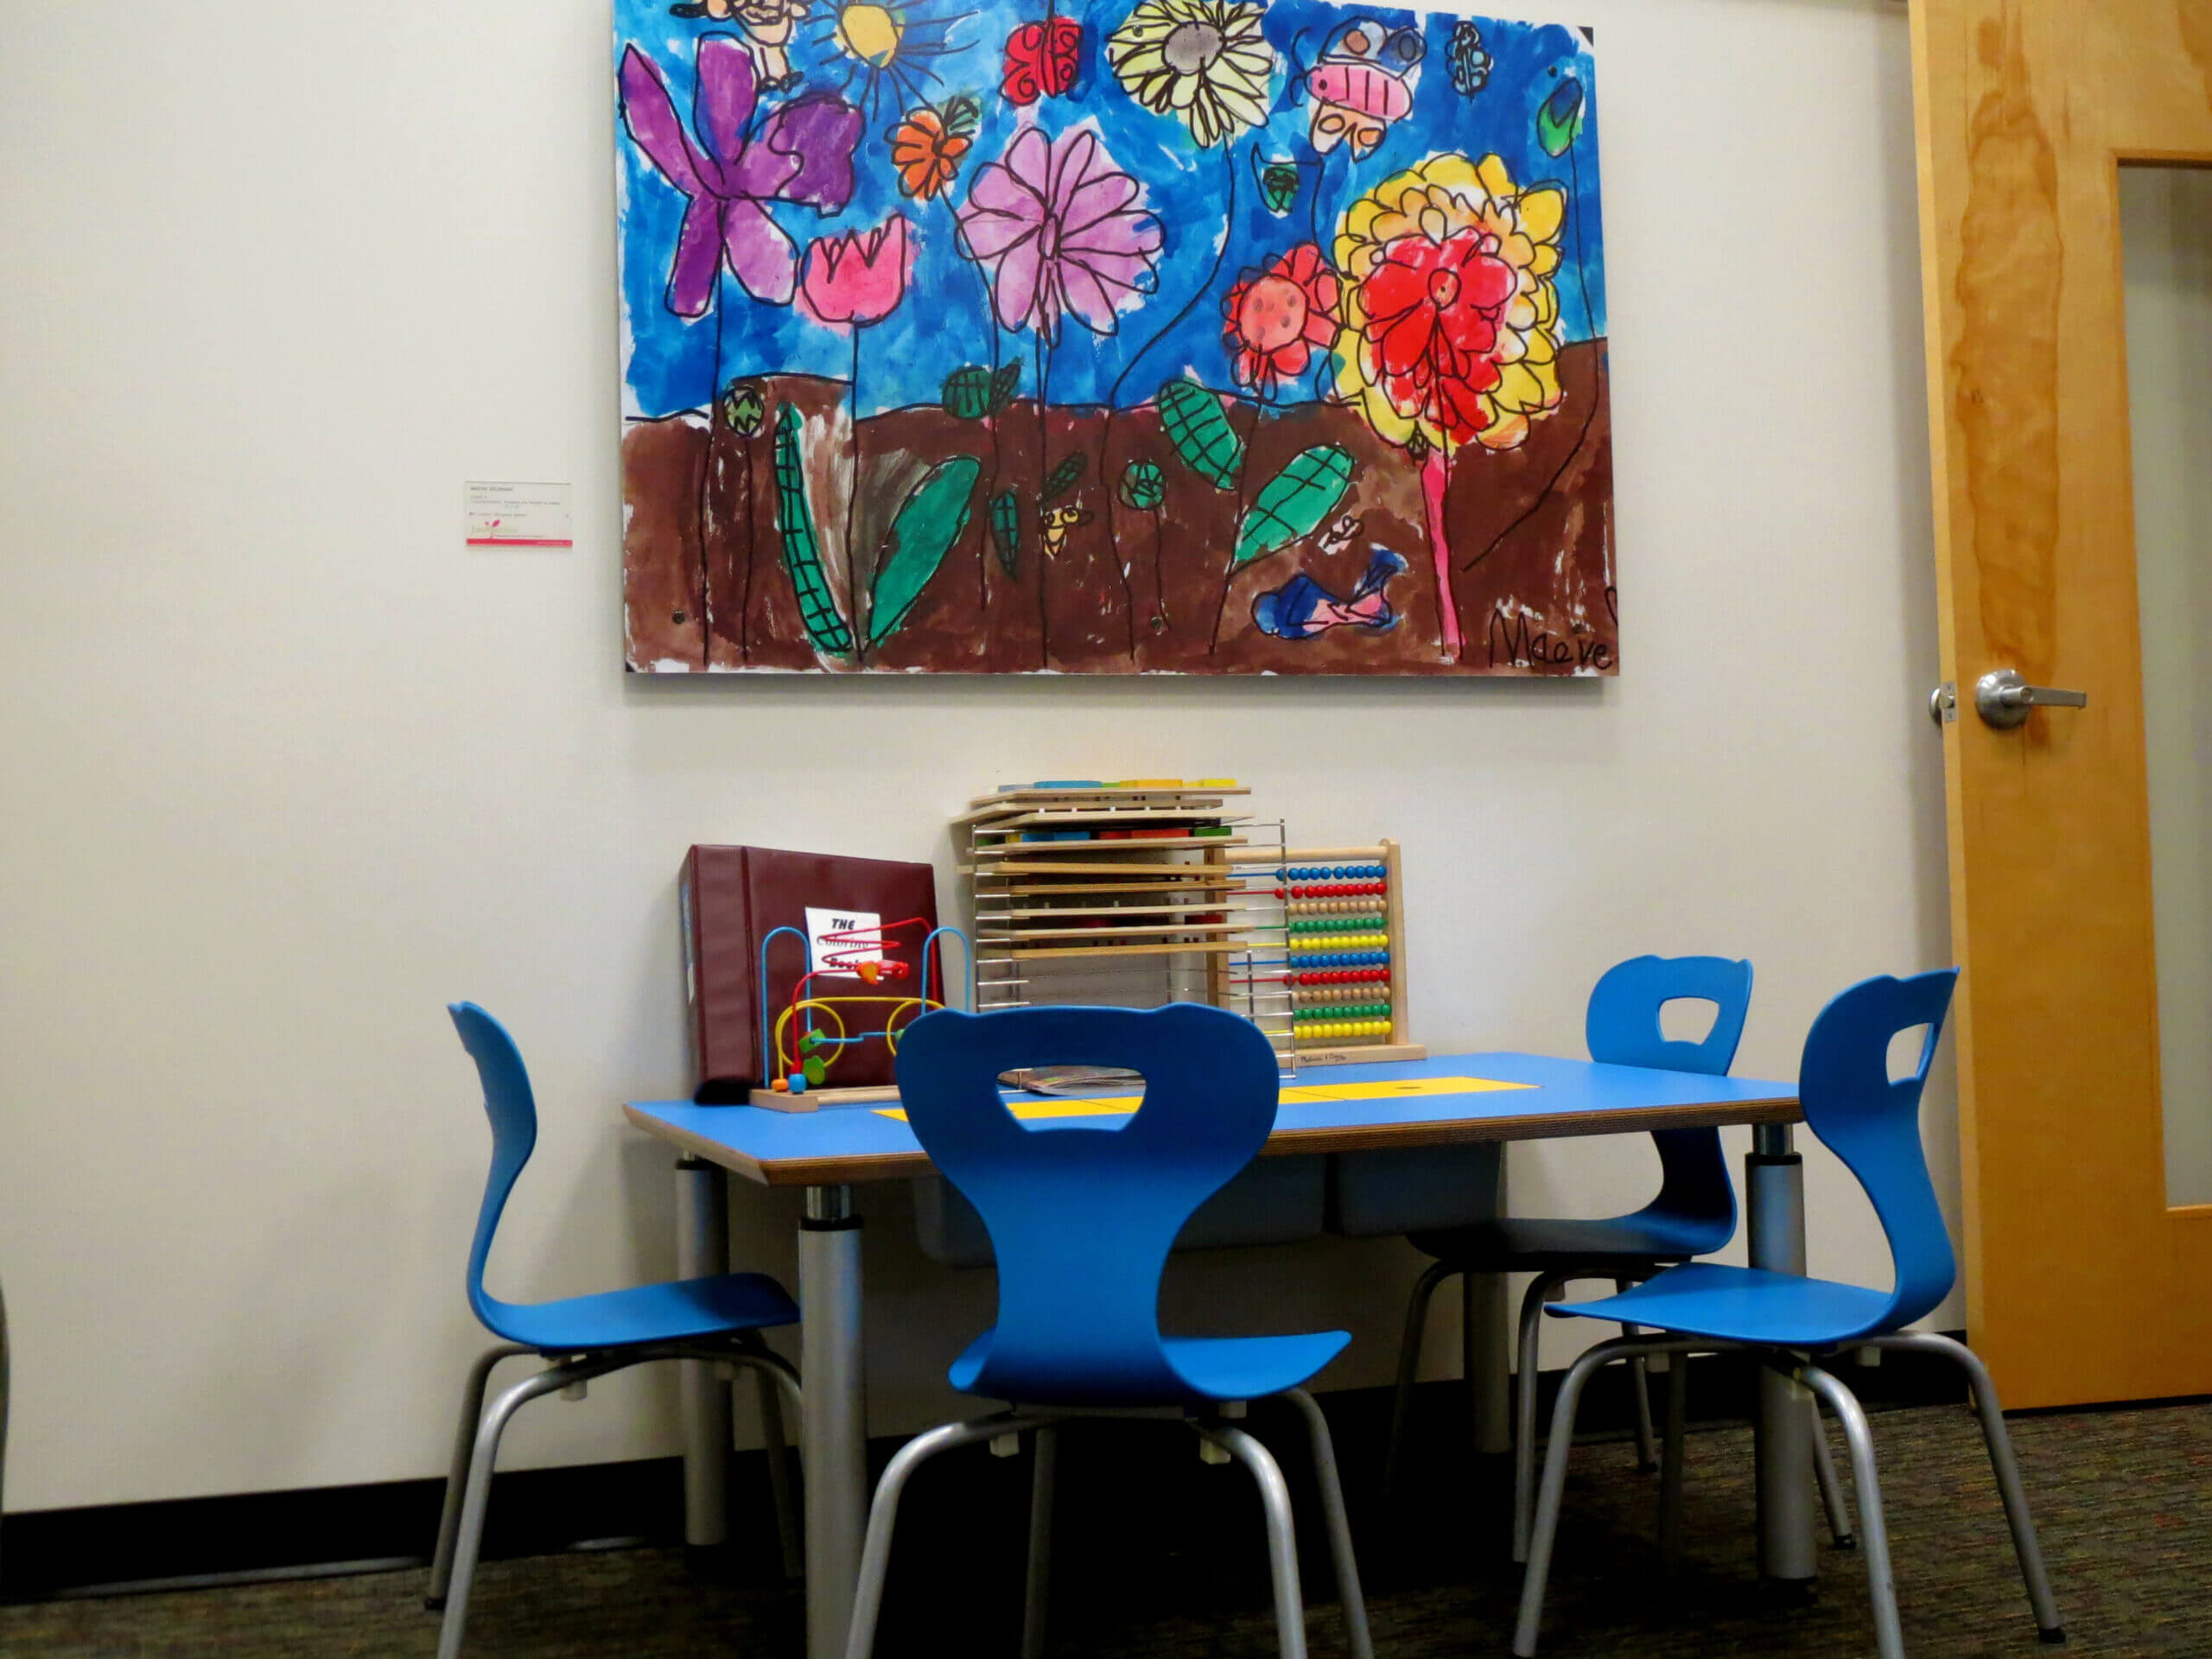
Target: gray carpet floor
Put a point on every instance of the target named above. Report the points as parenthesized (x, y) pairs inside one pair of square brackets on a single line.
[(2123, 1501)]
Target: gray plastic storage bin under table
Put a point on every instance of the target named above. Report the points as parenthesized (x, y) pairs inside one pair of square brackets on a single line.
[(1274, 1201), (1413, 1189)]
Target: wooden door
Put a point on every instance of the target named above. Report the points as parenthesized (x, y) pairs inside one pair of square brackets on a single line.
[(2083, 1283)]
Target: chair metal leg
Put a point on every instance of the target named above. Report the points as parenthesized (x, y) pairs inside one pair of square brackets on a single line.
[(1881, 1585), (1527, 1361), (883, 1514), (1547, 1498), (1646, 1459), (1282, 1540), (486, 1453), (778, 1379), (1408, 1362), (1339, 1525), (1037, 1583), (1670, 1464), (782, 1491), (2003, 1465), (1831, 1487), (464, 1444)]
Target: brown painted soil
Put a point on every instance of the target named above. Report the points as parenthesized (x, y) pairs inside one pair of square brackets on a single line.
[(1129, 591)]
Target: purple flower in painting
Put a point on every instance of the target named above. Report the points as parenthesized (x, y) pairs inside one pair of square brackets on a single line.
[(1060, 227), (802, 153)]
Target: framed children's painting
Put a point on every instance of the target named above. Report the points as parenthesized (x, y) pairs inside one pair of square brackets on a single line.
[(1153, 336)]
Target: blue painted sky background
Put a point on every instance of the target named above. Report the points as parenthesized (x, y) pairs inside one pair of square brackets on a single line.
[(945, 320)]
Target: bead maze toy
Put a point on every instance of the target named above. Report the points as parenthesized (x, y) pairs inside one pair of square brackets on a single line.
[(731, 899), (808, 1036)]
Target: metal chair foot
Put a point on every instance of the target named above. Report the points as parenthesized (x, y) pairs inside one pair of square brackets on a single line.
[(2053, 1636), (434, 1603)]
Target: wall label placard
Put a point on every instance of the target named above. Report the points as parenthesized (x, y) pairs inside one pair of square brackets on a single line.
[(518, 515)]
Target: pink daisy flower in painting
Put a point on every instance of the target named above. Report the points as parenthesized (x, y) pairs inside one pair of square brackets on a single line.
[(1060, 228)]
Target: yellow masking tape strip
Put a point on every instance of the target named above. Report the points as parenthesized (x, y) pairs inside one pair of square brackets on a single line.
[(1299, 1094)]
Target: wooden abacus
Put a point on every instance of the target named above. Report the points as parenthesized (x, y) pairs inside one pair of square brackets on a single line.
[(1344, 966)]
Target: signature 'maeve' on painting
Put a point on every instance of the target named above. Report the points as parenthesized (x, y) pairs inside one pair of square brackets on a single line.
[(1193, 336)]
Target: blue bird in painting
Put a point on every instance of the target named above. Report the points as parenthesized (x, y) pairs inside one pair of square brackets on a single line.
[(1302, 607)]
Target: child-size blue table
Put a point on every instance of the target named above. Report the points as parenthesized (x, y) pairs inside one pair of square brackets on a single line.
[(1451, 1100)]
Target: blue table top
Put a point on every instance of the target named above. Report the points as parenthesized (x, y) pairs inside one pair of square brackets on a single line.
[(841, 1145)]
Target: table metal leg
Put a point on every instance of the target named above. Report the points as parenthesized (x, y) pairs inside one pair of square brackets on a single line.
[(1774, 1182), (1482, 1322), (703, 1250), (1485, 1331), (833, 1435)]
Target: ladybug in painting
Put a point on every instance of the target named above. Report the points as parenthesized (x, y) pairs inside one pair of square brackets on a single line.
[(1363, 82), (1041, 59)]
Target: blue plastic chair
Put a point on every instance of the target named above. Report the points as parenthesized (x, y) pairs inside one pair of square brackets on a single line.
[(1081, 1220), (1790, 1322), (718, 1319), (1693, 1214)]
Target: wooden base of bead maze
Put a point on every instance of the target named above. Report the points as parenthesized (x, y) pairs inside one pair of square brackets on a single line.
[(814, 1099)]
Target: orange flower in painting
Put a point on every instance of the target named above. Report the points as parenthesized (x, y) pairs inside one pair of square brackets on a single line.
[(927, 147)]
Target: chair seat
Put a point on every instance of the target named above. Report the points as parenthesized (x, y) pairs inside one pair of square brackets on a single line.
[(1519, 1244), (1749, 1304), (1210, 1368), (664, 1313)]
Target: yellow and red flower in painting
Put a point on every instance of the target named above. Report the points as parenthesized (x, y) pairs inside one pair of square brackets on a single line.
[(927, 147), (1274, 320), (1450, 309)]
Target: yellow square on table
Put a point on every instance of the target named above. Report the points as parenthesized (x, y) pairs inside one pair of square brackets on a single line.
[(1299, 1094)]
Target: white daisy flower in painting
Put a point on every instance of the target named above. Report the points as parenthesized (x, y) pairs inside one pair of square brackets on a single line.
[(1203, 61)]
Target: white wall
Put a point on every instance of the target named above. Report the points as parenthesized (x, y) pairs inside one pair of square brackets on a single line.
[(286, 767)]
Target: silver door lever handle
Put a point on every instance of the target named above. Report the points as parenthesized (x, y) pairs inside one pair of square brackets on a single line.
[(2002, 698)]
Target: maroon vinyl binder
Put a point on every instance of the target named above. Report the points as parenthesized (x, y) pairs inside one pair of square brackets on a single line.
[(733, 897)]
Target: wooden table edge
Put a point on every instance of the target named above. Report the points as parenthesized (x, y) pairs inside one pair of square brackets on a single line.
[(853, 1171)]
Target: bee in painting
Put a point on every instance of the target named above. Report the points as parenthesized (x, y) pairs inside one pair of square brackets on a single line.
[(1362, 81), (1056, 523)]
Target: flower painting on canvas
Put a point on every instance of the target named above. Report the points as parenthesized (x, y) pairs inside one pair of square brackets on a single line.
[(1145, 336)]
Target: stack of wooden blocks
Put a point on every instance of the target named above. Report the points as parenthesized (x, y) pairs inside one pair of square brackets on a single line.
[(1148, 891)]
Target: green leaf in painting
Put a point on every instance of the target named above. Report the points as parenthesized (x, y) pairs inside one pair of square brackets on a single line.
[(1192, 419), (1559, 122), (929, 522), (1142, 488), (964, 113), (1004, 385), (967, 393), (1006, 530), (802, 555), (1293, 502), (1065, 477)]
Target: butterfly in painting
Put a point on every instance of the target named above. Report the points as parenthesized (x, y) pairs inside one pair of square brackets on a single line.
[(1041, 59), (1362, 81)]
